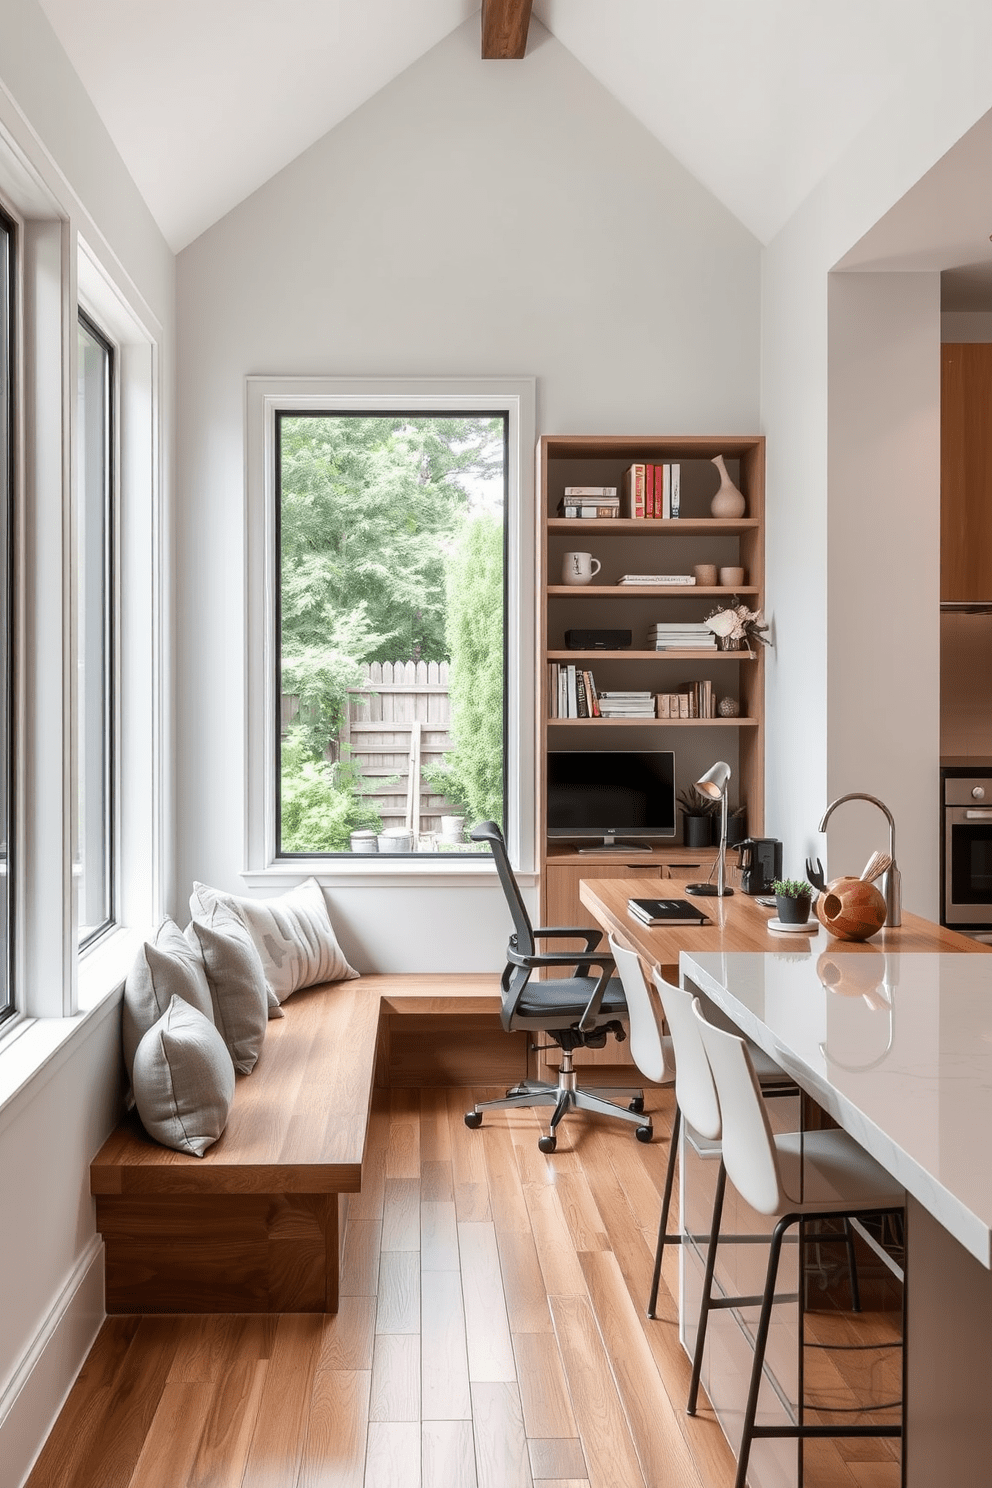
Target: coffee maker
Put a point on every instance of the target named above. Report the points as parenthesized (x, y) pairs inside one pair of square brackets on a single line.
[(761, 864)]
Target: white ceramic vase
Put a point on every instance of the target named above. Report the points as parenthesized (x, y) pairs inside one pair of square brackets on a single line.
[(728, 501)]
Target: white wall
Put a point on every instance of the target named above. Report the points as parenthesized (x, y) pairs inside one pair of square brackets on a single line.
[(57, 162), (471, 219), (814, 695), (883, 584)]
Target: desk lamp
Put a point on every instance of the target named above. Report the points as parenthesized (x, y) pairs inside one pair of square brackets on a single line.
[(713, 785)]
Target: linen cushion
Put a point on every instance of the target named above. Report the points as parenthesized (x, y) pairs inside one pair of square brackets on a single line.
[(183, 1080), (167, 966), (237, 982), (292, 933)]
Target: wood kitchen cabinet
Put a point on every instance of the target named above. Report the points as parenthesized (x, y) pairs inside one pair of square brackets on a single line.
[(966, 472)]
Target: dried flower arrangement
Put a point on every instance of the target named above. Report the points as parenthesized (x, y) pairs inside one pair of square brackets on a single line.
[(735, 623)]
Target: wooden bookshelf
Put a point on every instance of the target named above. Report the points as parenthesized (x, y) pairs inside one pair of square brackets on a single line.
[(650, 545)]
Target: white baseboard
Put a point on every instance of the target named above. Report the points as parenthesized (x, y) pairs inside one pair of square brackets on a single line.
[(38, 1388)]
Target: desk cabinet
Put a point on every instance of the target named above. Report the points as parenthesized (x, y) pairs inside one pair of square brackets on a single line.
[(562, 906)]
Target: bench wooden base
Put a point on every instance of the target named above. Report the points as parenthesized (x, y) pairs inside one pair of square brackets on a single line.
[(255, 1224), (221, 1253)]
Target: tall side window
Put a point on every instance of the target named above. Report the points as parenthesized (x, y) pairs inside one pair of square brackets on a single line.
[(94, 866), (391, 629), (6, 607)]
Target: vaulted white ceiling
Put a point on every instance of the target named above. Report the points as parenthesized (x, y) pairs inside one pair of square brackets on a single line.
[(206, 99)]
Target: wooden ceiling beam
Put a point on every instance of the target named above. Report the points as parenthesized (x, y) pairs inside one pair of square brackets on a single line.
[(504, 28)]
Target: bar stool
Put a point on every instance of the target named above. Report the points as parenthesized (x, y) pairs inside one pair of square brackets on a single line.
[(654, 1053), (793, 1176)]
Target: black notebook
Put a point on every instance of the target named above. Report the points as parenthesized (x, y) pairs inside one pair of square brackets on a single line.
[(667, 912)]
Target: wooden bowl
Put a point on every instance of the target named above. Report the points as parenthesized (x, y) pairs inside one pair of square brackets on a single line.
[(851, 909)]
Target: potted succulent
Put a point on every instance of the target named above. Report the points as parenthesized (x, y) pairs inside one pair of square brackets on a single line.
[(793, 897)]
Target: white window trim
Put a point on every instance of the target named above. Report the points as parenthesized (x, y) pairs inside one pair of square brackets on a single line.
[(59, 995), (267, 396)]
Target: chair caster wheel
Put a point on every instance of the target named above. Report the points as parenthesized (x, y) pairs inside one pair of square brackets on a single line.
[(473, 1119), (644, 1133), (636, 1105), (547, 1144)]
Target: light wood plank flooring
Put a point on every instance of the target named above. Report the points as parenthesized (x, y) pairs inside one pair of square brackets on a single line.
[(491, 1334)]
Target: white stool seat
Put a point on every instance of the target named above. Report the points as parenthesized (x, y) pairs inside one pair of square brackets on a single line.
[(829, 1170)]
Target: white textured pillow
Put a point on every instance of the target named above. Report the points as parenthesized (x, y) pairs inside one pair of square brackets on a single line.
[(293, 935), (167, 966), (183, 1080), (237, 983)]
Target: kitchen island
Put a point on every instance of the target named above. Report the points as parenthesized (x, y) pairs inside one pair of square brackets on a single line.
[(893, 1040)]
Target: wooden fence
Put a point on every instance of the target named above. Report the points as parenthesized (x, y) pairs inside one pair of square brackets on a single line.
[(396, 723)]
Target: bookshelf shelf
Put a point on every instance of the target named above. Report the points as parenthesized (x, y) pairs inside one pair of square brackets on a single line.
[(653, 526), (652, 723), (669, 655), (648, 591)]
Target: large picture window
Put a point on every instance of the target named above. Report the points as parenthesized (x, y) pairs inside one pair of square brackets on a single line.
[(6, 608), (391, 629), (95, 633)]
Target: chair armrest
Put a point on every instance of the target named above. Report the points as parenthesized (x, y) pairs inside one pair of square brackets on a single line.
[(561, 958), (591, 936)]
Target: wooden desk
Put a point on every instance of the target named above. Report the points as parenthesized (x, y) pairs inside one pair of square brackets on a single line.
[(739, 924)]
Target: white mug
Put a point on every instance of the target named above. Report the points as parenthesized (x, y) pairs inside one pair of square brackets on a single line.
[(579, 568)]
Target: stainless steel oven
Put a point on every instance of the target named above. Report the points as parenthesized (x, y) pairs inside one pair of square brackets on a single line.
[(967, 851)]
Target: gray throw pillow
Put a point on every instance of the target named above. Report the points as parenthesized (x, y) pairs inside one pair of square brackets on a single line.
[(293, 935), (237, 983), (167, 966), (183, 1080)]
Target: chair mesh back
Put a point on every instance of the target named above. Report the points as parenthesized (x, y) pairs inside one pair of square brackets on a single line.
[(489, 832), (644, 1011), (694, 1088), (748, 1149)]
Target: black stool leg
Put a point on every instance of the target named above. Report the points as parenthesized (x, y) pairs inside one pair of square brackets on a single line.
[(704, 1306), (760, 1340), (665, 1205), (852, 1267)]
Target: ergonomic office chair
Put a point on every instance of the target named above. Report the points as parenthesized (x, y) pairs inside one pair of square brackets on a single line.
[(576, 1012)]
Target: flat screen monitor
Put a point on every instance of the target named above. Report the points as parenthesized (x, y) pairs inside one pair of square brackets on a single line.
[(611, 793)]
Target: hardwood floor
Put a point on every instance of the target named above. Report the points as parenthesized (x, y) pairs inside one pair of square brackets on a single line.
[(491, 1334)]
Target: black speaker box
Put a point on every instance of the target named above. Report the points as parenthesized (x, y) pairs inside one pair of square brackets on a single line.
[(597, 640)]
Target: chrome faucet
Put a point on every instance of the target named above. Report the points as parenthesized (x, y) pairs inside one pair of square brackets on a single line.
[(892, 878)]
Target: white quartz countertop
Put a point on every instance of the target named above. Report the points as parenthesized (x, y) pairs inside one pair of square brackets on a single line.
[(897, 1047)]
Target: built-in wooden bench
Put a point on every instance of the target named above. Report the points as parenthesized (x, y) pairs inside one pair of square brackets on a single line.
[(255, 1224)]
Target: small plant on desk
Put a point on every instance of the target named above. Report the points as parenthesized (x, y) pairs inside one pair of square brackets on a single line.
[(793, 897)]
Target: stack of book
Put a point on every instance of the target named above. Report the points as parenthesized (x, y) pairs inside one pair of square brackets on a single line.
[(652, 490), (697, 701), (589, 502), (681, 635), (571, 692), (657, 579), (626, 704)]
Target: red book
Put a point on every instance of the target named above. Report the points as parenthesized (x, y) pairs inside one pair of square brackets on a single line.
[(649, 490), (633, 485)]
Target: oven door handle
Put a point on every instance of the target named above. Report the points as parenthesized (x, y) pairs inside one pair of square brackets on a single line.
[(974, 815)]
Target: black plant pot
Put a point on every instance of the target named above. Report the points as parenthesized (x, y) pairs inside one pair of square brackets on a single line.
[(793, 911), (736, 830), (697, 831)]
